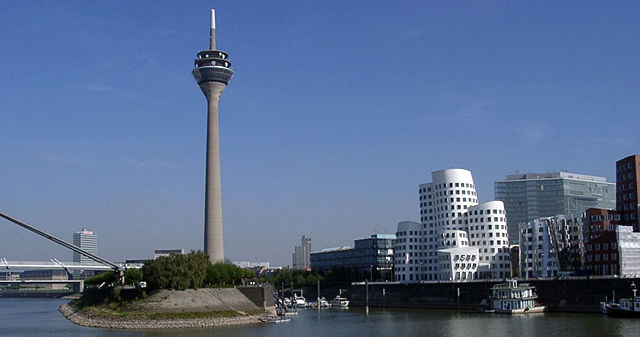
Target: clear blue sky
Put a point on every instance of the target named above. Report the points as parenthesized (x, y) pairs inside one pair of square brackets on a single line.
[(336, 112)]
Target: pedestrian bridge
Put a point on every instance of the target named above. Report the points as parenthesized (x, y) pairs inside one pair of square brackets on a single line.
[(51, 264)]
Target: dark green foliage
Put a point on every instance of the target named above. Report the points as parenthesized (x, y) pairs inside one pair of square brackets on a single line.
[(132, 276), (299, 278), (176, 271), (107, 277), (221, 274)]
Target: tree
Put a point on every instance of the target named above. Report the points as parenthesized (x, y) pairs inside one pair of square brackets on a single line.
[(176, 271), (226, 274), (133, 276)]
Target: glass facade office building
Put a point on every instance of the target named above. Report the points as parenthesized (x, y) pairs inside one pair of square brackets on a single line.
[(537, 195), (370, 255)]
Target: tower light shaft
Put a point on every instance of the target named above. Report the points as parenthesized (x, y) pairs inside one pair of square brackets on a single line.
[(212, 32)]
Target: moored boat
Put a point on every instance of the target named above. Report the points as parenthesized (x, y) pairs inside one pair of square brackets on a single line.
[(627, 307), (513, 298), (299, 301), (340, 302)]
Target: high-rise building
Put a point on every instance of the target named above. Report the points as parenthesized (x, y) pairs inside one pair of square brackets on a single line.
[(213, 72), (627, 186), (88, 241), (301, 254), (538, 195), (458, 239)]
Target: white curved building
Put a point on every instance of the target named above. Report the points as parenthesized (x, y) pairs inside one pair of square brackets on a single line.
[(487, 228), (407, 250), (450, 219)]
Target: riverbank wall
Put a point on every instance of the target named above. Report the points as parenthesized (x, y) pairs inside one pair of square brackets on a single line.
[(559, 295)]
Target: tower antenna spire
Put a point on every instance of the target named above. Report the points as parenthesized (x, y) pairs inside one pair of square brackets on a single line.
[(212, 33)]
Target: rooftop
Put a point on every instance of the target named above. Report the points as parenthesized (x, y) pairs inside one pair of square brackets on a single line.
[(555, 175)]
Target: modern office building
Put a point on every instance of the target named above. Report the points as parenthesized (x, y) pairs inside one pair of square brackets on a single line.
[(627, 186), (370, 258), (549, 246), (302, 254), (212, 71), (88, 241), (537, 195), (453, 224)]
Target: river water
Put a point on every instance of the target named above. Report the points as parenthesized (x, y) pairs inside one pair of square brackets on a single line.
[(40, 317)]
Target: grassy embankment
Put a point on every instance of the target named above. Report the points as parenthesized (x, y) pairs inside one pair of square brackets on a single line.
[(112, 303)]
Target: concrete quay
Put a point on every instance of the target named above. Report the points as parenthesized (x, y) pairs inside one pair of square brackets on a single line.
[(578, 295)]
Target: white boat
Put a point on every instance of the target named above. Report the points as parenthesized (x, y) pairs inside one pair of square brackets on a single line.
[(274, 319), (340, 302), (323, 303), (300, 301), (511, 298)]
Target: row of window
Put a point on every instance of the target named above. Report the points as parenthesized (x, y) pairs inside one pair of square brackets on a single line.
[(624, 187), (626, 176), (597, 246), (484, 243), (603, 217), (451, 185), (605, 257), (624, 166)]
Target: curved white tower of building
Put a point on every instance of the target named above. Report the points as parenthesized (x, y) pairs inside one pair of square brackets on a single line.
[(407, 251), (212, 71), (447, 208), (488, 232)]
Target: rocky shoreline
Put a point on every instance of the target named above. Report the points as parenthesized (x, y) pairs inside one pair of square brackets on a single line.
[(80, 318)]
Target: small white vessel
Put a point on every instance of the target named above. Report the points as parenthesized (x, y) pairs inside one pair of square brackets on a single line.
[(324, 303), (300, 301), (340, 302)]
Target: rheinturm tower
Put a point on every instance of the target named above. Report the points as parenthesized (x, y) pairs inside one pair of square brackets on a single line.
[(213, 71)]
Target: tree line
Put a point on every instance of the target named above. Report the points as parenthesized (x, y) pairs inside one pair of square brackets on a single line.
[(181, 272)]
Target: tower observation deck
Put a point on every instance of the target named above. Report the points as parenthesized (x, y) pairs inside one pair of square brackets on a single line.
[(212, 71)]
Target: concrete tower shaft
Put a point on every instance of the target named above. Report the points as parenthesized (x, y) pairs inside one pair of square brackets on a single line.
[(212, 71)]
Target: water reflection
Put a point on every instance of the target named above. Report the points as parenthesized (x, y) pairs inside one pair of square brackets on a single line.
[(39, 317)]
